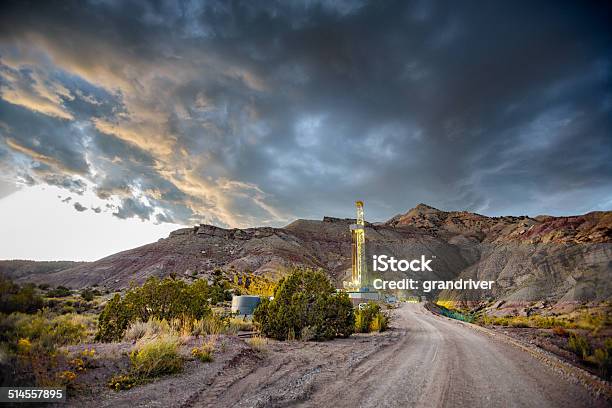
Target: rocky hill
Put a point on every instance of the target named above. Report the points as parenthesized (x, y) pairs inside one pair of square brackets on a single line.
[(563, 258)]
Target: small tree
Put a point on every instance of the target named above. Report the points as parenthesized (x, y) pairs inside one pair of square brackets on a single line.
[(87, 294), (306, 299), (163, 299)]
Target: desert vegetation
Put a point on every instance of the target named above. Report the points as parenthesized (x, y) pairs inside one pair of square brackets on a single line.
[(150, 359), (162, 325), (583, 332), (33, 330), (584, 319), (600, 357), (167, 299), (371, 318), (446, 309), (15, 298), (251, 284), (306, 306)]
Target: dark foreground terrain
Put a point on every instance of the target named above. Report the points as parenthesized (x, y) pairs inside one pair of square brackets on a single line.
[(425, 361)]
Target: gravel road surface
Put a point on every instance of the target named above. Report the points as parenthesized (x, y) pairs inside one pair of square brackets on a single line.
[(444, 363)]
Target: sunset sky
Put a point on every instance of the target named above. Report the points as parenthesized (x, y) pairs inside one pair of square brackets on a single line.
[(121, 121)]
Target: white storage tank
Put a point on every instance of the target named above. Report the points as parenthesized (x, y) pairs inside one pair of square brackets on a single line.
[(245, 304)]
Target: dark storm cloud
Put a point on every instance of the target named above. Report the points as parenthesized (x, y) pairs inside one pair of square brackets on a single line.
[(73, 185), (131, 208), (80, 207), (247, 113)]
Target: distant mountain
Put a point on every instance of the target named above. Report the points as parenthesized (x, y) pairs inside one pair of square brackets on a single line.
[(563, 258), (19, 268)]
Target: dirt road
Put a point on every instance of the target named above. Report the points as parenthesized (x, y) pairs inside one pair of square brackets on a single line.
[(443, 363), (424, 361), (429, 361)]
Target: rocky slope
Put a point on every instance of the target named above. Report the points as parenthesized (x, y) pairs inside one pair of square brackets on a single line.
[(562, 258)]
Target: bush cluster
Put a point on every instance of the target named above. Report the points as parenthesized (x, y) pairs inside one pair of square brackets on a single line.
[(156, 358), (600, 357), (43, 328), (153, 359), (15, 298), (31, 343), (584, 319), (89, 294), (603, 358), (60, 291), (305, 302), (579, 345), (251, 284), (370, 318), (162, 299)]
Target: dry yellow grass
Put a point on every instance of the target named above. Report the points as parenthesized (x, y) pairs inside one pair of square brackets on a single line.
[(258, 343)]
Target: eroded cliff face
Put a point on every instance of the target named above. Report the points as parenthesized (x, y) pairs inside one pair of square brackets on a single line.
[(529, 258)]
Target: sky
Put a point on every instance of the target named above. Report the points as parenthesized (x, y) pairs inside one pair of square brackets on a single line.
[(123, 120)]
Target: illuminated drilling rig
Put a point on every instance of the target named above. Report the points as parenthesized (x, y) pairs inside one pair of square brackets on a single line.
[(359, 268)]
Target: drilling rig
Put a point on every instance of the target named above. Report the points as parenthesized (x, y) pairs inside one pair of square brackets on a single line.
[(359, 267), (359, 271), (358, 288)]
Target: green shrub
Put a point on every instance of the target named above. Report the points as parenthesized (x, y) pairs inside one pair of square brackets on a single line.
[(579, 345), (603, 358), (157, 357), (162, 299), (152, 358), (60, 291), (114, 319), (15, 298), (305, 298), (48, 331), (370, 318), (70, 329), (88, 295), (30, 345)]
